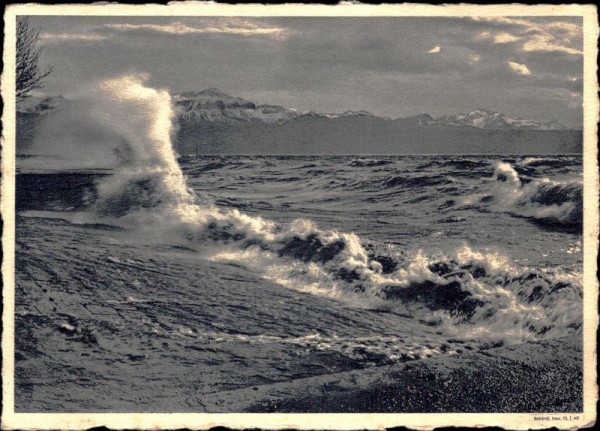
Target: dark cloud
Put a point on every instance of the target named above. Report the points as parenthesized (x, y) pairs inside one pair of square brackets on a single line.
[(334, 64)]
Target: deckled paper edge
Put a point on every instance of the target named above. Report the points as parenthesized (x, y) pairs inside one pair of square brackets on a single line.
[(12, 420)]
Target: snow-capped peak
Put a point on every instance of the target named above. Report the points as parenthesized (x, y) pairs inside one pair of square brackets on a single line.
[(214, 105), (486, 119)]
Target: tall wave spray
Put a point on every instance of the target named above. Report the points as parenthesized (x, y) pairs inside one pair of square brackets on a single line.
[(148, 175), (466, 294)]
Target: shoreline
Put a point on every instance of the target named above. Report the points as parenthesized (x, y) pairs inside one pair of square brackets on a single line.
[(73, 328), (523, 378)]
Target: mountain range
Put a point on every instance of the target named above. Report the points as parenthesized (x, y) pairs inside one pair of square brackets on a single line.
[(213, 122), (213, 105)]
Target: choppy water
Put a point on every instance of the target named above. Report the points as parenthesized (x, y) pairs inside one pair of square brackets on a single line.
[(481, 245), (234, 271), (374, 229)]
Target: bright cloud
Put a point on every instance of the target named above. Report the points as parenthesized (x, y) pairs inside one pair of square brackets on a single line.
[(75, 37), (547, 43), (435, 50), (233, 26), (505, 38), (553, 36), (520, 69)]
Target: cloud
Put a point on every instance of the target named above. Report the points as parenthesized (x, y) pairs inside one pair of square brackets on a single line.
[(547, 43), (505, 38), (72, 37), (225, 26), (474, 58), (502, 37), (548, 36), (435, 50), (229, 26), (520, 69), (575, 100)]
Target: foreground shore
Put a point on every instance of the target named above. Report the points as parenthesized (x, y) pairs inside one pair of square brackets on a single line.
[(95, 315), (530, 377)]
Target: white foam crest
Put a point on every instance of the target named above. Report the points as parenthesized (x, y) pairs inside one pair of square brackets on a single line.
[(511, 195), (529, 160), (515, 304), (377, 348), (519, 303)]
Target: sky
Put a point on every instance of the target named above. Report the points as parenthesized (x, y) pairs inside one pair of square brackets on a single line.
[(529, 67)]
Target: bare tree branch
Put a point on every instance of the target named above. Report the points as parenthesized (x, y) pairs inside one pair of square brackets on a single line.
[(29, 76)]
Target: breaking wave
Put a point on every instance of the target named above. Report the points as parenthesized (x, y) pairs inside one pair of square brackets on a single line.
[(467, 294), (543, 199)]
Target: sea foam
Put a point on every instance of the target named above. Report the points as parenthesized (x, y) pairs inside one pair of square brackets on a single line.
[(466, 294), (542, 199)]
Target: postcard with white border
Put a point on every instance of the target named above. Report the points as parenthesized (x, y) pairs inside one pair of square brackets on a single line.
[(294, 216)]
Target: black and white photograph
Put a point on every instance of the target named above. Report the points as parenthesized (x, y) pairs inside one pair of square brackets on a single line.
[(214, 210)]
